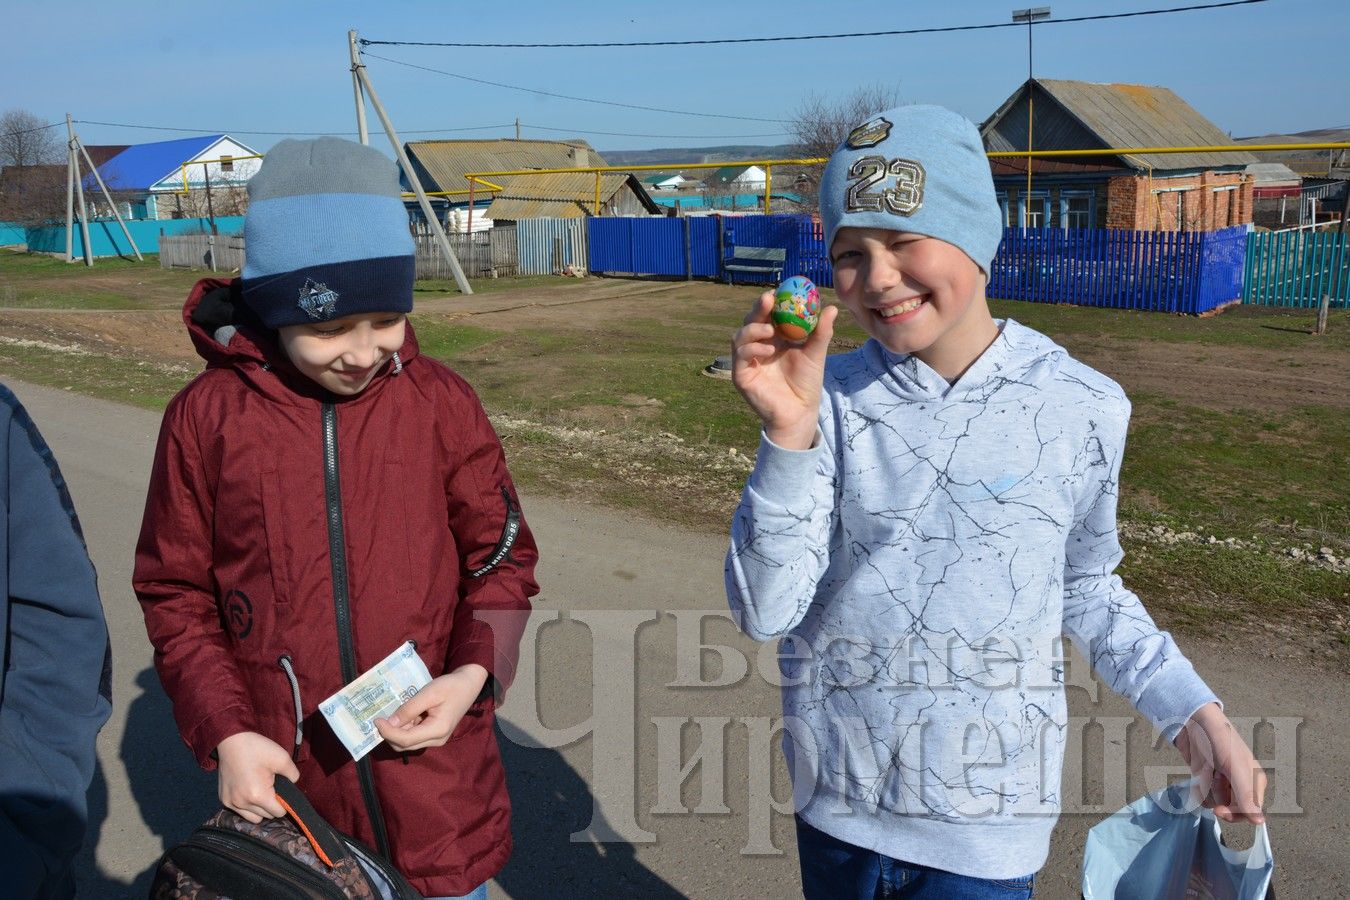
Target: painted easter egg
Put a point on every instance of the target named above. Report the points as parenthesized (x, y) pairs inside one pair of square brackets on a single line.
[(796, 308)]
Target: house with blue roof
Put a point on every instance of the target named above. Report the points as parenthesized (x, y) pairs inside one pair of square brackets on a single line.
[(178, 179)]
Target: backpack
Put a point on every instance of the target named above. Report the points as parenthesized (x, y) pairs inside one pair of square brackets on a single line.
[(298, 857)]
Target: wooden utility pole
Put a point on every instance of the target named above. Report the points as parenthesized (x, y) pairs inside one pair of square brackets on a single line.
[(356, 87), (79, 195), (444, 242)]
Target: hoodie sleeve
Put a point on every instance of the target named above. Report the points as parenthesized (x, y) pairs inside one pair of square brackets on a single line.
[(54, 690), (781, 537), (1106, 621), (497, 551), (175, 585)]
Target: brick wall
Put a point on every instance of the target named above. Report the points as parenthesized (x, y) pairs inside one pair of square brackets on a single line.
[(1189, 202)]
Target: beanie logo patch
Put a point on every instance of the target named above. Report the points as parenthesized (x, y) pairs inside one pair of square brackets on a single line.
[(902, 191), (318, 300), (869, 133)]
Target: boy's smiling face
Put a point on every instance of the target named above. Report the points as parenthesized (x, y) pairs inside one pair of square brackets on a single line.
[(345, 354), (911, 292)]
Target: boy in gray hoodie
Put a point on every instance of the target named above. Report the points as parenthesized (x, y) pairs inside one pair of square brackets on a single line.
[(928, 515)]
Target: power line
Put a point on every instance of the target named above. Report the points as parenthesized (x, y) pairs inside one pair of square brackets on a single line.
[(503, 126), (513, 87), (814, 37), (281, 133), (38, 128), (701, 137)]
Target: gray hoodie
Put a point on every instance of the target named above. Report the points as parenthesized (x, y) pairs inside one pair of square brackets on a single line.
[(921, 564)]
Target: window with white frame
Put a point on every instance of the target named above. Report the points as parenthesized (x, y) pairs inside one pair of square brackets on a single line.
[(1076, 209), (1009, 209), (1033, 210)]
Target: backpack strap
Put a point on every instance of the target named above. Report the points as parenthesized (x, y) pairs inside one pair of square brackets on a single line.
[(321, 836)]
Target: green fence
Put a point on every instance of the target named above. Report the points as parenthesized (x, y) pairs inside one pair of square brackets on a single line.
[(1295, 268)]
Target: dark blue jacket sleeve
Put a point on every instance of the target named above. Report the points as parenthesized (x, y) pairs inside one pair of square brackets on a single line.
[(54, 686)]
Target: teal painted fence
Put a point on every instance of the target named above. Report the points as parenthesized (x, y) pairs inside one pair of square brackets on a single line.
[(1295, 268), (106, 237), (12, 234)]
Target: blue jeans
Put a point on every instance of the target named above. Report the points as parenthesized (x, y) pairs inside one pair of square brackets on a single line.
[(836, 870), (478, 893)]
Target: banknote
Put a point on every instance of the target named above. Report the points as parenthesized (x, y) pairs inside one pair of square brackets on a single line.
[(376, 693)]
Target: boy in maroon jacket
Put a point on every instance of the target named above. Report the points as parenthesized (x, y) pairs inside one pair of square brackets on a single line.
[(320, 495)]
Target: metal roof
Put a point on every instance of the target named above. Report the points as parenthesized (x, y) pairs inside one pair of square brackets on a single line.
[(443, 164), (142, 166), (563, 195), (1135, 115)]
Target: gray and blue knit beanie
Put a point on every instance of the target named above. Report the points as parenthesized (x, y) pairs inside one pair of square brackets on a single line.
[(326, 234), (915, 168)]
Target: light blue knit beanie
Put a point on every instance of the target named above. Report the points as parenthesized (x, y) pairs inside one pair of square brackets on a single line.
[(920, 169), (326, 234)]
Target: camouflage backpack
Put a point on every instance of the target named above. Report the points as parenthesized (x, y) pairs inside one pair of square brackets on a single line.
[(299, 857)]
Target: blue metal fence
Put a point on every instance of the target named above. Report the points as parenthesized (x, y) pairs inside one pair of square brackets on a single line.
[(798, 235), (653, 246), (1182, 272)]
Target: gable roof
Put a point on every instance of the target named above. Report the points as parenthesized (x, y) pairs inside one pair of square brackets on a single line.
[(563, 195), (142, 166), (1127, 115), (442, 165)]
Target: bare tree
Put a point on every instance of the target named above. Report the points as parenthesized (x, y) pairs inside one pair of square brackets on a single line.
[(820, 124), (26, 141)]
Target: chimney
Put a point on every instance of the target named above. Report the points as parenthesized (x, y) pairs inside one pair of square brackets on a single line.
[(581, 158)]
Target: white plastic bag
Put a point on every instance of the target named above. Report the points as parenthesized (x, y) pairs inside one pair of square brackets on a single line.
[(1166, 845)]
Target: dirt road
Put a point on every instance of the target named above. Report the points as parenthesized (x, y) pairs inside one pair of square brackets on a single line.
[(597, 731)]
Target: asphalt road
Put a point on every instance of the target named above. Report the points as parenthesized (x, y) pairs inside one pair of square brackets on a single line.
[(608, 712)]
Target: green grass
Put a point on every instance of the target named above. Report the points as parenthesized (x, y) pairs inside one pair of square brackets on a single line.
[(438, 287), (1270, 328), (122, 380), (1238, 473)]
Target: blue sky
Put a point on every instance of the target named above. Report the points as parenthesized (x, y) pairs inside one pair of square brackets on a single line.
[(245, 67)]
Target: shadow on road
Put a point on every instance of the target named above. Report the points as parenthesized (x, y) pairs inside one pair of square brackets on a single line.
[(550, 801), (172, 793)]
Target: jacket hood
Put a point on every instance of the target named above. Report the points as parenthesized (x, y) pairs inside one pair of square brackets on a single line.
[(1018, 355), (227, 334)]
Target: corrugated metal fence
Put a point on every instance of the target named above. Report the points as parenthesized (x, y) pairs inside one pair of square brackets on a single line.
[(657, 246), (1292, 268), (548, 246), (1168, 271), (1186, 272), (217, 252)]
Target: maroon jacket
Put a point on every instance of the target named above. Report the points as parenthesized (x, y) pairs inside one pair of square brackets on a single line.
[(284, 522)]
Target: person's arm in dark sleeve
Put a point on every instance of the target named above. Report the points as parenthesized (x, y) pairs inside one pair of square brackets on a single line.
[(497, 553), (175, 585), (56, 693)]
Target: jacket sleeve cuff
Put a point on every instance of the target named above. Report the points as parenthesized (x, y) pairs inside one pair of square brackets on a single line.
[(499, 669), (1172, 697), (208, 734), (784, 476)]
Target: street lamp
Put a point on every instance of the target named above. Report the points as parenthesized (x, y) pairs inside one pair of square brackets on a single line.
[(1029, 16)]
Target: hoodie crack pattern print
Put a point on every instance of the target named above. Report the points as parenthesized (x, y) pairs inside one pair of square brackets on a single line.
[(921, 565)]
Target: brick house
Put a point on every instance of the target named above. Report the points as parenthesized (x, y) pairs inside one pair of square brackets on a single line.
[(1145, 192)]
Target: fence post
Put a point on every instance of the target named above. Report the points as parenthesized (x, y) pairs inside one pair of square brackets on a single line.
[(211, 247), (688, 251)]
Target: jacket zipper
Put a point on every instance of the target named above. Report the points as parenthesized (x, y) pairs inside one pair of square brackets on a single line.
[(337, 553)]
